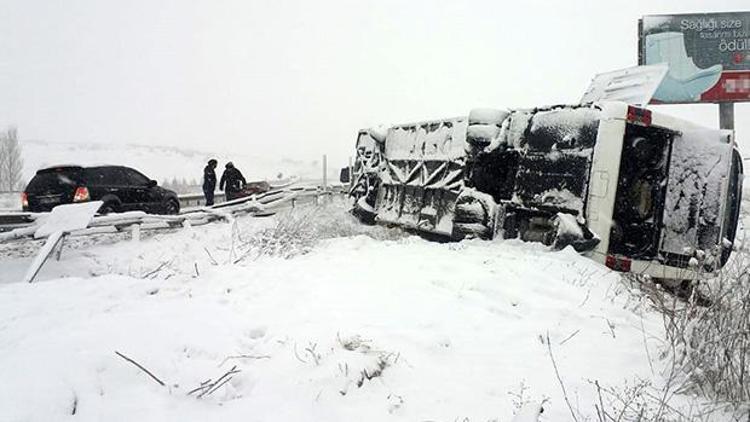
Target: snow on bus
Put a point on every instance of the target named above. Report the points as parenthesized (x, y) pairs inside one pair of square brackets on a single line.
[(634, 189)]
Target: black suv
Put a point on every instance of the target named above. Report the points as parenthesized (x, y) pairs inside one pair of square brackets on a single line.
[(121, 189)]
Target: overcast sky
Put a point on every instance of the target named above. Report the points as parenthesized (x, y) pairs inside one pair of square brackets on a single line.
[(298, 78)]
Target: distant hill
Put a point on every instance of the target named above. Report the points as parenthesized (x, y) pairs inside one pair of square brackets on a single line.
[(164, 163)]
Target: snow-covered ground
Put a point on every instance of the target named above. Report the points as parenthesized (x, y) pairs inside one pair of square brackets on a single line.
[(375, 325)]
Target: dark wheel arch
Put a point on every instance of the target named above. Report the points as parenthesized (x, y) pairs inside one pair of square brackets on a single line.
[(171, 206), (111, 204), (107, 208)]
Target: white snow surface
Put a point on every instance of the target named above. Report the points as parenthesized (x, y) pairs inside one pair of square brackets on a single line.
[(68, 217), (567, 225), (483, 131), (454, 328), (487, 116), (568, 122), (440, 139), (379, 133)]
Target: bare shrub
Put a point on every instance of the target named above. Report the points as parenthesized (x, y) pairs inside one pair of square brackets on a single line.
[(336, 221), (706, 351), (644, 402), (292, 235), (298, 230), (711, 344)]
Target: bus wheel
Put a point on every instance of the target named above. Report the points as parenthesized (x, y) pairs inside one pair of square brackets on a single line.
[(364, 212), (474, 216)]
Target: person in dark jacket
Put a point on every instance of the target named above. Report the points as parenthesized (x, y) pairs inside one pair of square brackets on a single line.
[(233, 180), (209, 181)]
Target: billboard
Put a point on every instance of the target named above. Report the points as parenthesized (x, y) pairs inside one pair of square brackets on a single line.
[(708, 55)]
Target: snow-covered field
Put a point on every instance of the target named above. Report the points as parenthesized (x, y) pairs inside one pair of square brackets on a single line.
[(165, 163), (374, 325), (10, 201)]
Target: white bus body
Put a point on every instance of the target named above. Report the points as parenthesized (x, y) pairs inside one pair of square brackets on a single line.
[(632, 188)]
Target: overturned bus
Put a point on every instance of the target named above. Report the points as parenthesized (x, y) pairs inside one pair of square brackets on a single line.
[(634, 189)]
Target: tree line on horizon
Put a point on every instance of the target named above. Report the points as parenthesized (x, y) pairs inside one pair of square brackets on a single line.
[(11, 161)]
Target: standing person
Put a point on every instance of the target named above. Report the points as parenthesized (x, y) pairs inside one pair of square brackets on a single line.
[(209, 181), (233, 180)]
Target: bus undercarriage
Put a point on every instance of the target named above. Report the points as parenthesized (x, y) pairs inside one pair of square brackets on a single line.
[(602, 178)]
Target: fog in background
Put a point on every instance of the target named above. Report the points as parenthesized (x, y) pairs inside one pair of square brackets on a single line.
[(298, 78)]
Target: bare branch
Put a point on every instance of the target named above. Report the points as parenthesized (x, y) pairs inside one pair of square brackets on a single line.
[(140, 367), (244, 357), (559, 380), (211, 387), (570, 337), (213, 261)]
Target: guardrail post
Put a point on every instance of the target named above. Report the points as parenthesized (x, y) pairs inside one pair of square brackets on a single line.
[(135, 236), (60, 246)]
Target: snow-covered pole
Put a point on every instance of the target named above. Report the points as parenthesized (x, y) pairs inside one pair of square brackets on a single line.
[(325, 171)]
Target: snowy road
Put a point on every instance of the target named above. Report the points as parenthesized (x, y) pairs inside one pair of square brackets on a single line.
[(356, 329)]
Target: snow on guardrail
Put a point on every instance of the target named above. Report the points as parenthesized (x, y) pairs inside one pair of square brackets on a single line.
[(20, 225)]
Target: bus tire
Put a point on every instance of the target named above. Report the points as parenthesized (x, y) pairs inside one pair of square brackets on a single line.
[(363, 211)]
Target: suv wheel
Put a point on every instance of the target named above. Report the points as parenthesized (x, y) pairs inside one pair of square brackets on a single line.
[(107, 209), (172, 207)]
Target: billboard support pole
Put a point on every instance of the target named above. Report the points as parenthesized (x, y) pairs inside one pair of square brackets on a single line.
[(726, 116)]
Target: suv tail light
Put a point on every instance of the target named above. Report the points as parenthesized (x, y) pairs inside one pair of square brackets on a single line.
[(617, 263), (24, 200), (81, 195), (640, 116)]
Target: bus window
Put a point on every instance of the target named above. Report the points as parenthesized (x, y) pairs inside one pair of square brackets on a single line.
[(639, 201)]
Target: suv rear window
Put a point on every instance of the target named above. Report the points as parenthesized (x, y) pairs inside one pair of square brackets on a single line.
[(55, 180), (106, 176)]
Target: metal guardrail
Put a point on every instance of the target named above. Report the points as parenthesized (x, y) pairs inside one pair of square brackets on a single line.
[(16, 219), (11, 220), (19, 225), (188, 200)]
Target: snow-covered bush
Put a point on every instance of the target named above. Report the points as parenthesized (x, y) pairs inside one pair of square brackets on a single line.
[(706, 349), (643, 401), (292, 235), (711, 344), (336, 221), (298, 230)]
